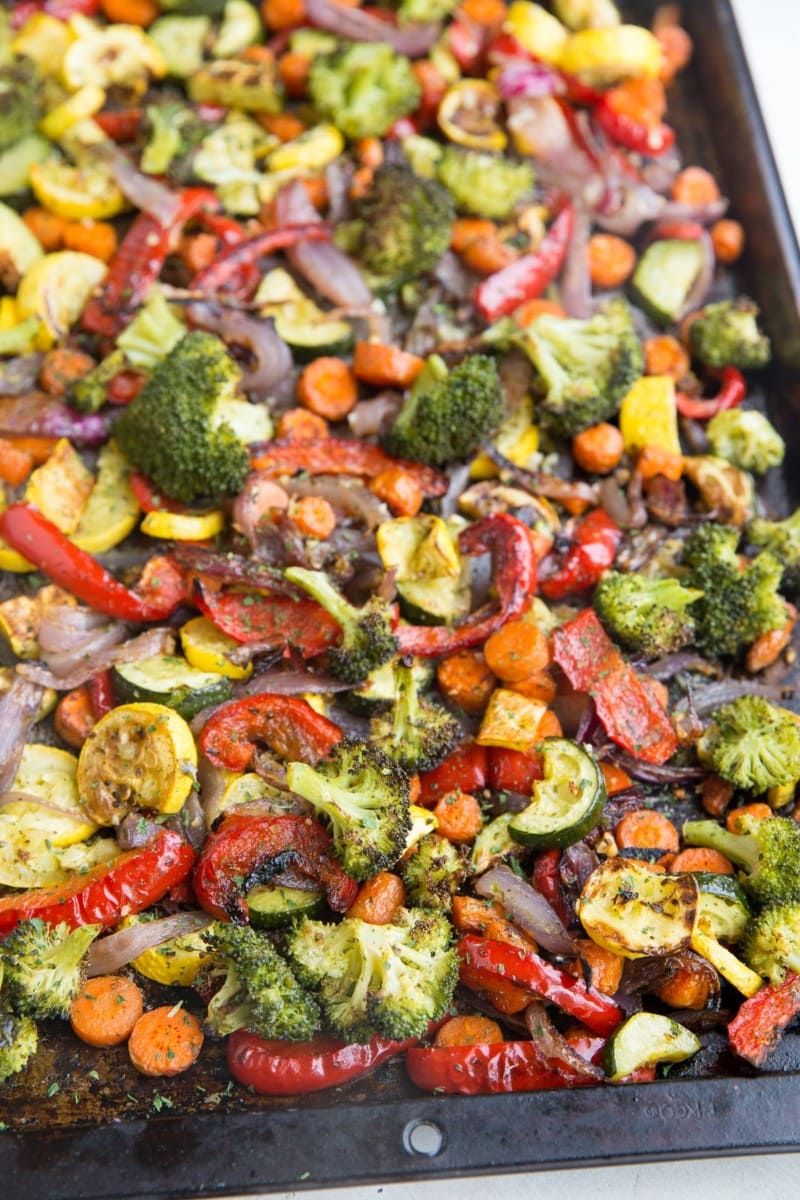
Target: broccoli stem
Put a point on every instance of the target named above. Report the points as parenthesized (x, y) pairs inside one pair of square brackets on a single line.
[(740, 848), (320, 588)]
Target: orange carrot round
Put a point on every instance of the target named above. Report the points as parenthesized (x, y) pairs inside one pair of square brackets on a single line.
[(283, 125), (516, 650), (598, 449), (74, 717), (131, 12), (15, 464), (105, 1010), (646, 829), (654, 460), (611, 260), (539, 686), (699, 858), (379, 899), (46, 227), (283, 14), (399, 489), (385, 366), (468, 1031), (694, 185), (727, 238), (293, 69), (757, 811), (465, 680), (549, 726), (605, 967), (527, 313), (98, 238), (301, 425), (664, 355), (328, 388), (459, 816), (165, 1041), (313, 516), (61, 367)]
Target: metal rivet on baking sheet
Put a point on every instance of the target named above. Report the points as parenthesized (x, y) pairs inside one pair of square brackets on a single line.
[(423, 1139)]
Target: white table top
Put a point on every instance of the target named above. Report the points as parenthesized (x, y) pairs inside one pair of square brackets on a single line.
[(771, 33)]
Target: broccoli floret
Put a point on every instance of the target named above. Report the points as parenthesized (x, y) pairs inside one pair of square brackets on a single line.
[(363, 88), (44, 966), (415, 731), (367, 638), (366, 798), (174, 131), (648, 616), (448, 414), (153, 332), (19, 1041), (781, 539), (727, 335), (737, 605), (747, 439), (771, 942), (19, 103), (405, 225), (255, 988), (392, 978), (768, 852), (177, 430), (89, 393), (586, 367), (433, 872), (489, 185), (753, 744)]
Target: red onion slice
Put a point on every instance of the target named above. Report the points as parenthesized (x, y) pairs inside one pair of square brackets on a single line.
[(154, 641), (706, 213), (527, 908), (358, 26), (42, 416), (285, 682), (19, 708), (705, 277), (145, 192), (371, 417), (528, 79), (327, 268), (106, 956), (575, 286), (351, 497), (65, 626), (271, 359)]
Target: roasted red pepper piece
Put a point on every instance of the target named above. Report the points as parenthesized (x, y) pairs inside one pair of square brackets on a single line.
[(161, 588), (506, 997), (487, 1069), (513, 771), (103, 896), (276, 1068), (101, 693), (339, 456), (514, 575), (246, 850), (630, 713), (121, 124), (592, 552), (757, 1027), (150, 498), (547, 881), (532, 972), (288, 725), (279, 622), (733, 389), (527, 278), (231, 270), (640, 136), (465, 770)]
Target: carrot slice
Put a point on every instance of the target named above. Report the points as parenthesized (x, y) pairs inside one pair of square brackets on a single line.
[(105, 1010), (698, 858), (468, 1031), (165, 1041), (328, 388), (379, 899), (646, 830), (385, 366), (459, 816), (74, 717), (517, 650), (465, 680)]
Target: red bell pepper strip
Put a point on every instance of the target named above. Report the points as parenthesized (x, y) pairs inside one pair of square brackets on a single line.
[(642, 137), (532, 972), (277, 1068), (594, 548), (488, 1068), (161, 588), (124, 387), (504, 996), (279, 622), (757, 1027), (514, 576), (246, 850), (64, 9), (513, 771), (121, 125), (339, 456), (225, 273), (127, 884), (101, 693), (465, 770), (630, 713), (732, 392), (150, 499), (288, 725), (546, 880), (526, 279)]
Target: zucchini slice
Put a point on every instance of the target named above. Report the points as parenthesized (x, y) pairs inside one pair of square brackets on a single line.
[(665, 276), (493, 843), (270, 906), (433, 582), (629, 909), (724, 905), (171, 681), (567, 801), (644, 1040), (305, 328)]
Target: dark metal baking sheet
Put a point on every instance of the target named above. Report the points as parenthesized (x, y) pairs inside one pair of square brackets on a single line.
[(107, 1132)]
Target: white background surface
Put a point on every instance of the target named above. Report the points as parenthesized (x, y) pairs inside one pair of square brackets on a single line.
[(771, 33)]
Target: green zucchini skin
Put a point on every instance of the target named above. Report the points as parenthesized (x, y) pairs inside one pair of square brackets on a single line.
[(274, 906), (171, 681), (567, 802), (644, 1040), (665, 276)]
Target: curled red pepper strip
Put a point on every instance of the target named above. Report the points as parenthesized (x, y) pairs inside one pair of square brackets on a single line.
[(161, 588), (546, 880), (106, 894), (225, 273), (644, 138), (101, 693), (513, 771), (122, 124), (277, 1068), (757, 1027), (288, 725), (527, 277), (150, 498), (532, 972), (246, 850), (594, 548), (339, 456), (488, 1068), (275, 622), (732, 392), (514, 575)]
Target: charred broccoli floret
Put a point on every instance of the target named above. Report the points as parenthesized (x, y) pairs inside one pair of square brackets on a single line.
[(254, 988), (367, 638), (173, 132), (448, 414), (747, 439), (753, 744), (19, 104), (433, 872), (648, 616), (366, 798), (768, 852), (781, 539), (187, 430), (727, 335), (585, 367), (154, 331), (44, 966), (489, 185), (405, 225), (737, 605), (771, 942), (19, 1041), (416, 731), (390, 979), (362, 88)]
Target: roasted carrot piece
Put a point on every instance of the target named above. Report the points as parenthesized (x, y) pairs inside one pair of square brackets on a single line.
[(98, 238), (664, 355), (598, 449), (611, 260), (369, 151), (688, 985), (328, 388), (489, 254), (15, 464), (766, 649), (727, 238), (399, 490), (459, 816), (301, 425), (605, 967), (283, 14), (198, 251), (465, 680), (385, 366), (527, 313), (616, 779), (46, 227), (313, 516), (716, 795), (61, 367), (74, 717), (293, 69), (105, 1010), (379, 899), (549, 726), (517, 650), (654, 460), (131, 12), (471, 915), (39, 448), (757, 811), (646, 829), (283, 125), (165, 1041), (484, 12), (676, 48), (316, 188), (468, 1031), (694, 185), (697, 858), (468, 229), (539, 686)]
